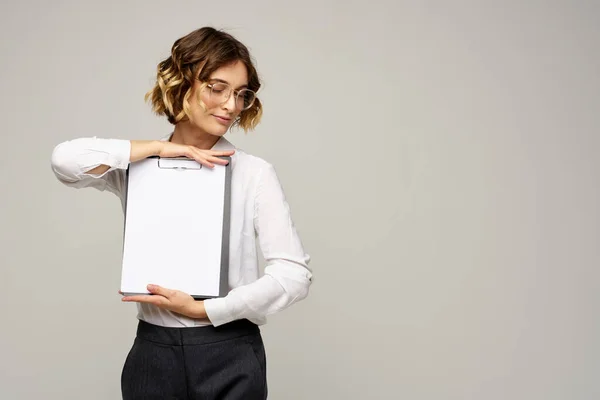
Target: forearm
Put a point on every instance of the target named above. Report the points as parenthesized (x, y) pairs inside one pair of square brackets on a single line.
[(141, 149), (283, 284)]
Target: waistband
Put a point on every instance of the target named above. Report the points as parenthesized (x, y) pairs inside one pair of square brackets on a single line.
[(195, 335)]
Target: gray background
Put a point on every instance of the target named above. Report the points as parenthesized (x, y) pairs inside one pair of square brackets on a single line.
[(440, 159)]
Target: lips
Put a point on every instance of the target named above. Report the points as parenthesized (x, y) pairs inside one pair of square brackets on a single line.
[(223, 120)]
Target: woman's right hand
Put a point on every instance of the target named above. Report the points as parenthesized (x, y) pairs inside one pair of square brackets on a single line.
[(205, 157)]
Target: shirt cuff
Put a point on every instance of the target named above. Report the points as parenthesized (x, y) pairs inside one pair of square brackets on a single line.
[(115, 153), (217, 311)]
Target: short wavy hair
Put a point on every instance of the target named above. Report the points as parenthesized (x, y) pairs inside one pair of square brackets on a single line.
[(196, 56)]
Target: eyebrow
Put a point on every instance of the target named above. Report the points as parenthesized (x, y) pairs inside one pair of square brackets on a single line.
[(224, 81)]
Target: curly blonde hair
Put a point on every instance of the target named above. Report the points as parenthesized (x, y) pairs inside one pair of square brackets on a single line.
[(196, 56)]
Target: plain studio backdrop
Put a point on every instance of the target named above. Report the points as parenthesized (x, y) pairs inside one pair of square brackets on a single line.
[(440, 160)]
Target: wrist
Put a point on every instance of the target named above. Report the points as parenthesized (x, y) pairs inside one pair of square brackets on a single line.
[(157, 147), (198, 310)]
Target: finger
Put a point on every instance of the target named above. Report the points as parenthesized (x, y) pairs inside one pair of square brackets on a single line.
[(200, 158), (156, 289), (215, 153), (214, 157), (194, 155), (221, 153), (150, 299), (206, 163), (218, 160)]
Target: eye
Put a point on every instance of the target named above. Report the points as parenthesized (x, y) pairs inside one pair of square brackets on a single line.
[(218, 87)]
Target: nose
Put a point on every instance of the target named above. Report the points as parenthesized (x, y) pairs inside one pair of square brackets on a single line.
[(230, 103)]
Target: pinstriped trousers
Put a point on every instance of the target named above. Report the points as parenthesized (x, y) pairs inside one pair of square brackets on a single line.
[(200, 363)]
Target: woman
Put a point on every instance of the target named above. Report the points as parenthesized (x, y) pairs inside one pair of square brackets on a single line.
[(209, 349)]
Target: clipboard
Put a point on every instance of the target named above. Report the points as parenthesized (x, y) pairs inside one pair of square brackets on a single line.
[(176, 230)]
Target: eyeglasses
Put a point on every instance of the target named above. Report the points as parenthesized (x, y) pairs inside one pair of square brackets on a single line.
[(220, 92)]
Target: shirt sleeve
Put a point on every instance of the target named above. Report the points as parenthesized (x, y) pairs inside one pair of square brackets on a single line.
[(72, 160), (287, 277)]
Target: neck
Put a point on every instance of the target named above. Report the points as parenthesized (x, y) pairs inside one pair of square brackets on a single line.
[(187, 134)]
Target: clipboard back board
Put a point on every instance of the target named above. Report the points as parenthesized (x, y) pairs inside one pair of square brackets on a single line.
[(176, 233)]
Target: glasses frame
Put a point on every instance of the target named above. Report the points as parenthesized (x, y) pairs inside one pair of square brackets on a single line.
[(230, 91)]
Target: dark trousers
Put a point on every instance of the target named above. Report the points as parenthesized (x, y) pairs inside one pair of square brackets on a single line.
[(209, 363)]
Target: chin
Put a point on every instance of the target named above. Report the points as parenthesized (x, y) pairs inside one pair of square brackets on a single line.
[(214, 130), (219, 132)]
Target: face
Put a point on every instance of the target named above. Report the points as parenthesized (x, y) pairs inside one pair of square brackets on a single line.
[(218, 115)]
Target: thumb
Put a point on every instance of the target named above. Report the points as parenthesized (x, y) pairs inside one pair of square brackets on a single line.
[(155, 289)]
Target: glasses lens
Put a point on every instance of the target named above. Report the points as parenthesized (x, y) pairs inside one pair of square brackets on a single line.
[(220, 92), (246, 98)]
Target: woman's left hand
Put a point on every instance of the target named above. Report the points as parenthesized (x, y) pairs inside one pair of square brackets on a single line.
[(172, 300)]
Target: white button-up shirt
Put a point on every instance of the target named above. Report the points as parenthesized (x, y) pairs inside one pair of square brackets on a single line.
[(258, 210)]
